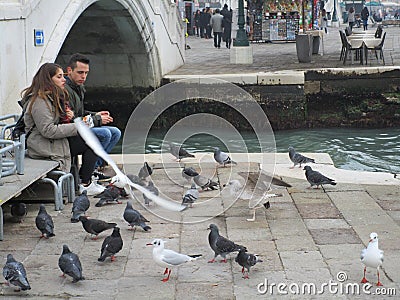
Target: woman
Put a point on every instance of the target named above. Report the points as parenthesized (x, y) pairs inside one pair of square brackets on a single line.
[(351, 17), (47, 117), (364, 17), (323, 20)]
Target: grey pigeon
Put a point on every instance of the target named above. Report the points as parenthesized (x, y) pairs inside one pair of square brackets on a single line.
[(189, 173), (80, 206), (179, 152), (70, 264), (111, 245), (246, 260), (316, 178), (205, 183), (94, 226), (135, 218), (109, 195), (44, 222), (190, 196), (19, 211), (222, 158), (136, 179), (15, 274), (220, 245), (112, 190), (145, 171), (152, 189), (297, 158)]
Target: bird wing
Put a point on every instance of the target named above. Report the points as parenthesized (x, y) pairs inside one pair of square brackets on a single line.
[(363, 253), (173, 258), (91, 140)]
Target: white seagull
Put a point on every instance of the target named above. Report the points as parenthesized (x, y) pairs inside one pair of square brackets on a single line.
[(372, 256), (168, 258), (121, 179)]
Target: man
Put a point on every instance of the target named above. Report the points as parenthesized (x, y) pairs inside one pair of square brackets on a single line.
[(77, 71), (216, 25)]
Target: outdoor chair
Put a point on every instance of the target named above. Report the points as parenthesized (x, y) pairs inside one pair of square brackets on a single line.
[(343, 39), (349, 49), (378, 32), (378, 48)]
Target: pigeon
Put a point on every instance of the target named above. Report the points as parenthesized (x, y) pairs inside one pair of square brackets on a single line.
[(220, 245), (121, 180), (109, 195), (153, 190), (111, 190), (94, 226), (169, 258), (135, 218), (222, 158), (111, 245), (19, 211), (246, 260), (179, 152), (145, 171), (316, 178), (189, 173), (190, 196), (205, 183), (15, 274), (136, 179), (44, 223), (70, 264), (297, 158), (80, 206), (372, 256)]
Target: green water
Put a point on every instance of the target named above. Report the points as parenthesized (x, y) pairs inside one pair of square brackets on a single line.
[(352, 149)]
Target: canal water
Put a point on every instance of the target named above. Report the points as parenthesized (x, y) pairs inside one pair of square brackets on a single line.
[(350, 148)]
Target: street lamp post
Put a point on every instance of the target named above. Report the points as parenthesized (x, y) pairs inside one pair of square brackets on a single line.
[(241, 36), (334, 14)]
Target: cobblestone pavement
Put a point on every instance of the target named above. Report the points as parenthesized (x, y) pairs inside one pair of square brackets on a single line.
[(203, 59), (308, 237)]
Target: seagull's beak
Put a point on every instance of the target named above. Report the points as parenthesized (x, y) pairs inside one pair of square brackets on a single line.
[(370, 240), (149, 244)]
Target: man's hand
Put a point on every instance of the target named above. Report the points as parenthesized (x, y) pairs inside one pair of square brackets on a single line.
[(105, 117)]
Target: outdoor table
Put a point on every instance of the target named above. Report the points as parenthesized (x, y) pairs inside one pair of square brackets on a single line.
[(364, 41), (370, 43)]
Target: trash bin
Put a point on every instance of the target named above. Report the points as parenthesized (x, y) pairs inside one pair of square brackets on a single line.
[(304, 47), (315, 44)]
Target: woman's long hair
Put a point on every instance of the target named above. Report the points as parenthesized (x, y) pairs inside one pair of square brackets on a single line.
[(43, 87)]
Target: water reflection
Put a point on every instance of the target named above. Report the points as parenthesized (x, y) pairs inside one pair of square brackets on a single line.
[(353, 149)]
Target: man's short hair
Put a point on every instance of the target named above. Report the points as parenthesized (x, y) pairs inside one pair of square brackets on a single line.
[(217, 11), (77, 57)]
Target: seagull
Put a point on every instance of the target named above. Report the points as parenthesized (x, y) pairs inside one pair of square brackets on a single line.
[(190, 196), (179, 152), (70, 264), (372, 256), (168, 258), (220, 245), (297, 158), (19, 211), (121, 180), (44, 222), (205, 183), (15, 274), (222, 158), (316, 178), (246, 260)]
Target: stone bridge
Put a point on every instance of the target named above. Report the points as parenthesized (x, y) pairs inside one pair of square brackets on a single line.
[(131, 43)]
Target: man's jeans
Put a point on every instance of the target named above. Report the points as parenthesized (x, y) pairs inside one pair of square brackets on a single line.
[(108, 137)]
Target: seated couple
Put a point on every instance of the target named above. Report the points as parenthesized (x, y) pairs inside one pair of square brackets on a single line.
[(51, 104)]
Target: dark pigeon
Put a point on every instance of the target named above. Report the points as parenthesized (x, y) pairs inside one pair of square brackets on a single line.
[(94, 226), (220, 245), (136, 179), (222, 158), (109, 195), (297, 158), (44, 222), (80, 206), (189, 173), (246, 260), (205, 183), (145, 171), (190, 196), (113, 190), (70, 264), (135, 218), (316, 178), (179, 152), (152, 189), (15, 274), (19, 211), (111, 245)]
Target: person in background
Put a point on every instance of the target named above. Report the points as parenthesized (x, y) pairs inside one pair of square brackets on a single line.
[(208, 26), (51, 137), (77, 71), (323, 20), (216, 25), (227, 25), (351, 17), (364, 17), (197, 22)]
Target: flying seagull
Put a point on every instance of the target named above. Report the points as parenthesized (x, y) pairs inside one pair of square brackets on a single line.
[(316, 178), (297, 158), (122, 180), (372, 256), (168, 258)]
